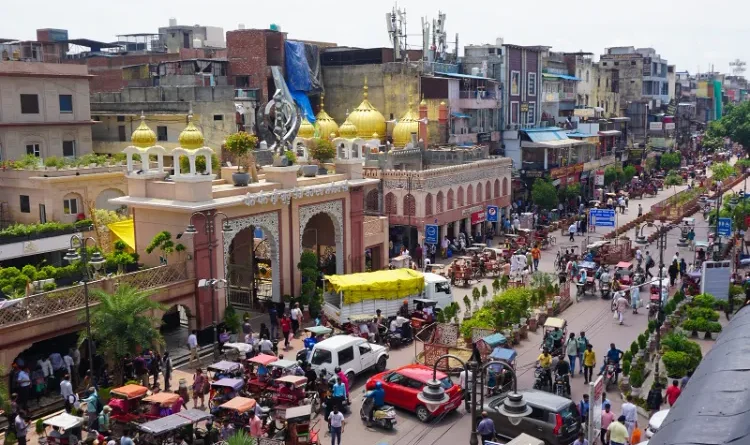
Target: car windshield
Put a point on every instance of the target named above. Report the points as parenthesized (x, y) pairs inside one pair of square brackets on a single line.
[(446, 382), (321, 356), (443, 287)]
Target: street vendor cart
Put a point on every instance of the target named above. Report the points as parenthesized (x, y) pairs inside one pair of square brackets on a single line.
[(125, 401), (68, 426)]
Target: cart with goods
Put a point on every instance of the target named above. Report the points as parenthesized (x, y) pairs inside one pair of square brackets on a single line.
[(461, 271), (125, 402)]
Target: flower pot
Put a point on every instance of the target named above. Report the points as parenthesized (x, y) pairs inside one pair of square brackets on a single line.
[(309, 171), (550, 311), (635, 392), (524, 332), (516, 337), (240, 179), (664, 329), (322, 170), (542, 318), (532, 324), (652, 345), (702, 335)]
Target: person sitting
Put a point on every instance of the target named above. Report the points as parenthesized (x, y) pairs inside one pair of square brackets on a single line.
[(556, 336), (544, 361), (286, 390), (563, 370), (56, 432), (310, 341), (378, 399), (429, 313), (404, 309)]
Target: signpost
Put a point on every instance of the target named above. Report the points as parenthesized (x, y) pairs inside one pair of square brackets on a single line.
[(725, 227), (602, 217), (596, 394), (431, 234), (492, 214)]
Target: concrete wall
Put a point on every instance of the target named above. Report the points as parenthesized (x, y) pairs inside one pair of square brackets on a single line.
[(13, 140)]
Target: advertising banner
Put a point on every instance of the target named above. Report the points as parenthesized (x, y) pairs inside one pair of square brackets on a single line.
[(478, 217)]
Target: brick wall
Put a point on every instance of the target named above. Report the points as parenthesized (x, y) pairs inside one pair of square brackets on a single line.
[(248, 52)]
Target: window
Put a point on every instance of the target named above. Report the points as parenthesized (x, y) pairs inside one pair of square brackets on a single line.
[(364, 349), (161, 133), (604, 63), (632, 62), (121, 135), (395, 377), (531, 116), (531, 88), (242, 81), (95, 118), (66, 103), (25, 204), (70, 206), (29, 104), (120, 118), (515, 83), (515, 112), (346, 355), (617, 63), (218, 117), (538, 414), (69, 149), (34, 149), (321, 356)]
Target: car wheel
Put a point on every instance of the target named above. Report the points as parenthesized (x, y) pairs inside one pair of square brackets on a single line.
[(422, 414), (380, 366), (351, 376)]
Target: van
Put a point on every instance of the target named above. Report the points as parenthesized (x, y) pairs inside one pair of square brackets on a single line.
[(354, 355)]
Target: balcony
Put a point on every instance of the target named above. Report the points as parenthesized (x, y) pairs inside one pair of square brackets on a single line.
[(478, 99)]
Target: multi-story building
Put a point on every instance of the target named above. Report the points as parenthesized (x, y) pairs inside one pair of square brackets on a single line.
[(559, 88), (44, 110), (176, 37)]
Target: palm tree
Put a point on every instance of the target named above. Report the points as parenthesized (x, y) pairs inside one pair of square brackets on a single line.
[(123, 323)]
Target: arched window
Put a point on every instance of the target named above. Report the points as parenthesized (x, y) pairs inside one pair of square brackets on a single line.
[(487, 190), (439, 203), (460, 197), (505, 186), (496, 190), (428, 205), (451, 199), (470, 195), (391, 207), (410, 206), (372, 203), (479, 192)]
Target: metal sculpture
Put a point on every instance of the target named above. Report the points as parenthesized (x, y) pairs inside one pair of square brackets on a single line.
[(283, 119)]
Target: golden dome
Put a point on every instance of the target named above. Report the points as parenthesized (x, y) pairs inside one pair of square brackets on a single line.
[(326, 124), (348, 130), (191, 137), (367, 118), (143, 136), (306, 129), (405, 127)]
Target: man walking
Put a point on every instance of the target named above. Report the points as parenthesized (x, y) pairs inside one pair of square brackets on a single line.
[(167, 370), (274, 320), (617, 433), (589, 360), (571, 349), (486, 428), (631, 414), (536, 255), (192, 342), (337, 422), (296, 316), (572, 231)]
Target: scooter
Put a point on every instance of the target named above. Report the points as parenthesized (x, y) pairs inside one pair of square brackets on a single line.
[(403, 334), (606, 290), (610, 375), (561, 387), (384, 417), (540, 382)]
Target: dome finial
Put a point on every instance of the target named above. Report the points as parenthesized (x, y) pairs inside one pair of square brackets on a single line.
[(191, 137), (143, 136), (143, 116), (365, 88)]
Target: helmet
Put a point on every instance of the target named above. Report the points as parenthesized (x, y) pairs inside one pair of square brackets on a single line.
[(378, 385), (337, 370)]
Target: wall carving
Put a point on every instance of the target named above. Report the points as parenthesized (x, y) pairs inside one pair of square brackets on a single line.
[(269, 223), (284, 196), (335, 210)]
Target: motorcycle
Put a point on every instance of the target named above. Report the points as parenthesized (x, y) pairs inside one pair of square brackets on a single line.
[(402, 336), (540, 382), (610, 375), (606, 290), (384, 417), (561, 386)]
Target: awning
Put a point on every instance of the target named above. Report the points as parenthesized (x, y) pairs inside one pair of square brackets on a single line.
[(582, 135), (610, 133), (559, 76), (464, 76), (551, 135), (552, 144), (460, 115), (124, 230)]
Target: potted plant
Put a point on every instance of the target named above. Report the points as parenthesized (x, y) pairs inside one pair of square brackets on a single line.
[(475, 295), (714, 327), (636, 379), (322, 150), (467, 305), (701, 326), (239, 144), (484, 292), (495, 286)]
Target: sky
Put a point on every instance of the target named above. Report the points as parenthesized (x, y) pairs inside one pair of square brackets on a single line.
[(691, 34)]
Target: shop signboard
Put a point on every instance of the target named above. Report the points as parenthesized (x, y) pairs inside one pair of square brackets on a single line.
[(655, 126), (431, 234), (478, 217), (492, 213), (596, 396), (669, 126), (599, 178)]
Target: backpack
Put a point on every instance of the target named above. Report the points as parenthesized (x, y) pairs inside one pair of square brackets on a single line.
[(650, 263)]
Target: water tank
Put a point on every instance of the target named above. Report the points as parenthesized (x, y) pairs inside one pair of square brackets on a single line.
[(475, 71), (197, 43), (499, 41), (172, 21), (241, 26)]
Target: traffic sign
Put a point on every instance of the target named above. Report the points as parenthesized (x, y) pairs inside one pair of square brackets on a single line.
[(602, 217), (492, 213), (725, 227), (431, 234)]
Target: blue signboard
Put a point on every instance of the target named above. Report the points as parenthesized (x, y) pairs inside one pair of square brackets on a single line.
[(725, 227), (492, 213), (431, 234), (602, 217)]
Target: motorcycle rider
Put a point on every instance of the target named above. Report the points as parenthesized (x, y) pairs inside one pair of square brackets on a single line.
[(605, 278), (378, 400), (563, 371), (544, 361), (614, 356)]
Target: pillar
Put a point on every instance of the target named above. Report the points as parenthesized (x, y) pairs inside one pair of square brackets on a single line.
[(443, 123), (423, 123)]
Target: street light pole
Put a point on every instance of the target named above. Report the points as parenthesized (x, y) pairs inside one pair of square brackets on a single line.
[(209, 217)]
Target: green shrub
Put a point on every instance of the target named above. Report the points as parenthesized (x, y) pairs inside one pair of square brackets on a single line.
[(626, 367), (677, 363), (690, 325), (627, 356), (680, 343), (200, 164), (721, 305), (678, 296), (704, 300), (703, 312), (634, 348), (29, 271), (642, 341), (49, 287), (637, 375), (652, 326)]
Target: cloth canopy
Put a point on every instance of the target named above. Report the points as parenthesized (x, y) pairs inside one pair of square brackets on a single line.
[(379, 285), (125, 231)]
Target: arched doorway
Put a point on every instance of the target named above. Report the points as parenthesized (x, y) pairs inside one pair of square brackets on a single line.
[(250, 270), (175, 326), (324, 221)]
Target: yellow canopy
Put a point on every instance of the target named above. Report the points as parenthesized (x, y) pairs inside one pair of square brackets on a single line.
[(124, 230), (379, 285)]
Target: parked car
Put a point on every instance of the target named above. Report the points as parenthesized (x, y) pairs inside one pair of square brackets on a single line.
[(403, 384), (654, 423), (553, 419), (354, 355)]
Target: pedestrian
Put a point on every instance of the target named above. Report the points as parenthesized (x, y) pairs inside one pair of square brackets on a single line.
[(273, 316), (91, 408), (418, 256), (691, 238), (21, 424), (125, 439), (685, 380), (465, 381), (589, 361), (572, 231), (536, 255), (155, 368), (621, 304), (583, 409), (192, 342), (607, 418), (286, 330), (336, 422), (256, 425), (486, 428), (630, 412), (66, 392), (673, 392), (617, 433), (297, 318), (654, 400), (199, 388), (581, 439), (571, 349), (683, 268), (167, 370), (635, 297), (23, 380), (582, 343), (640, 210), (672, 271), (141, 370)]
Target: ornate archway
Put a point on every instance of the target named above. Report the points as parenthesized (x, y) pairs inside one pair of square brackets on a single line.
[(335, 211), (269, 223)]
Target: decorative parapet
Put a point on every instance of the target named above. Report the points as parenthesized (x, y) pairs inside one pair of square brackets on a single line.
[(284, 196), (436, 177), (192, 155), (55, 302), (144, 155)]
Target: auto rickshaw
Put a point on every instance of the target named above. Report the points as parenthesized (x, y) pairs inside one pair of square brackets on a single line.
[(257, 382), (68, 426), (424, 314), (224, 390), (500, 379), (357, 324), (124, 402), (461, 272), (224, 369), (624, 273), (589, 286), (554, 334), (298, 430), (290, 391), (163, 431), (236, 411), (159, 405), (281, 368)]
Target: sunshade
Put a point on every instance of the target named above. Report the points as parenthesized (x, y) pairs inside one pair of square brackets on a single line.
[(554, 322), (125, 230), (130, 391), (64, 421), (503, 354), (240, 404), (587, 265), (293, 379), (379, 285), (319, 330), (623, 265), (495, 339), (283, 364), (164, 425), (242, 347), (229, 383), (224, 365), (194, 415), (263, 359), (162, 398)]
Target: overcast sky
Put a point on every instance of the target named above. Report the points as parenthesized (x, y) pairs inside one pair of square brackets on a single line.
[(691, 34)]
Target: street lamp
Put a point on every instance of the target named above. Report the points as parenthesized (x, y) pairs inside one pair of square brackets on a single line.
[(513, 407), (210, 219), (78, 243)]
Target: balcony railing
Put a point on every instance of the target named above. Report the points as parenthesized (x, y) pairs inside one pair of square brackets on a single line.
[(477, 94), (45, 304)]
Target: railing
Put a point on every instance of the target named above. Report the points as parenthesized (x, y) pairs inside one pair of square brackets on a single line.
[(477, 94), (66, 299)]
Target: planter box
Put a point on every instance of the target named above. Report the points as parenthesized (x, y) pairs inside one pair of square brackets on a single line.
[(702, 335), (636, 392), (532, 322)]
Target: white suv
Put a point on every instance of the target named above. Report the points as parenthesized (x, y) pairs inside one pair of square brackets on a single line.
[(354, 355)]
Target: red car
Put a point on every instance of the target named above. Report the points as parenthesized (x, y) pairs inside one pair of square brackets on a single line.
[(403, 384)]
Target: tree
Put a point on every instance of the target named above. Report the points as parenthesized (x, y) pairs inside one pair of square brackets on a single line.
[(722, 171), (163, 242), (629, 172), (735, 124), (123, 323), (650, 164), (544, 194), (670, 161), (673, 180), (712, 143), (309, 294), (240, 144)]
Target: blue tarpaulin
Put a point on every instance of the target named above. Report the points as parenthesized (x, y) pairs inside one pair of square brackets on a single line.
[(297, 68), (304, 103)]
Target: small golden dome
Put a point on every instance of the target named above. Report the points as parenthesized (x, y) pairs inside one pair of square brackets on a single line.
[(191, 137), (306, 129), (143, 136), (405, 127), (348, 130), (367, 118), (326, 124)]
